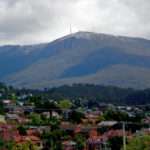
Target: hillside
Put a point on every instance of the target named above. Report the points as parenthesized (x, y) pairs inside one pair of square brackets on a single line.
[(82, 57), (81, 94)]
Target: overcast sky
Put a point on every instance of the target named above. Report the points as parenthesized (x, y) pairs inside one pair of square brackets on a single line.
[(37, 21)]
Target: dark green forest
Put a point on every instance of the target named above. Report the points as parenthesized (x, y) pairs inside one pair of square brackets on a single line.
[(82, 94)]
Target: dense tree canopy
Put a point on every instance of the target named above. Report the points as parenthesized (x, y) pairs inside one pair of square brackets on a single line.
[(80, 94), (139, 143), (65, 104)]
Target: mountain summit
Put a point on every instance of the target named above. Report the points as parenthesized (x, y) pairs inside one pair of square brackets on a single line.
[(82, 57)]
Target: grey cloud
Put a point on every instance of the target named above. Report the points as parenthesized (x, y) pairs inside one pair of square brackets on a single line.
[(34, 21)]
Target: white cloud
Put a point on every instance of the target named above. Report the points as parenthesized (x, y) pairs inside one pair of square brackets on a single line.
[(34, 21)]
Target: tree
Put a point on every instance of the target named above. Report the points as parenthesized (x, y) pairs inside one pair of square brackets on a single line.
[(25, 146), (35, 119), (2, 111), (53, 139), (115, 143), (80, 141), (6, 145), (54, 123), (22, 130), (49, 106), (13, 97), (36, 100), (9, 145), (65, 104), (111, 114), (2, 143), (139, 143), (76, 116)]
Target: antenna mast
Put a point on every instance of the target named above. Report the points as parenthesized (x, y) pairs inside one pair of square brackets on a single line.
[(70, 29)]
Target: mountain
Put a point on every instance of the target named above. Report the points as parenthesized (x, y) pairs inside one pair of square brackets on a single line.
[(82, 57)]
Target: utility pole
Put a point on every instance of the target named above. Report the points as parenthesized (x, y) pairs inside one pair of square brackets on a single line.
[(124, 135), (105, 146)]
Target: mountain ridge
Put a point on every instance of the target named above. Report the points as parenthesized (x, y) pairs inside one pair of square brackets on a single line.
[(75, 57)]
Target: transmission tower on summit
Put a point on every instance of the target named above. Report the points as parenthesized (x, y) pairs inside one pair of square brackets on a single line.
[(70, 29)]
